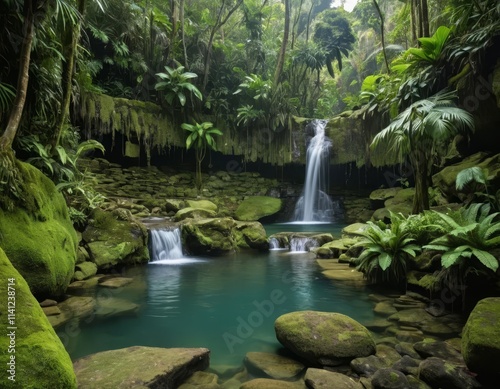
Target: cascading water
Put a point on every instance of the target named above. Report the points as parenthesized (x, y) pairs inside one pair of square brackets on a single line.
[(166, 245), (314, 204)]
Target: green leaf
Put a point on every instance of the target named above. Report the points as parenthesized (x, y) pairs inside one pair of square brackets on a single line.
[(486, 259), (384, 261), (450, 258), (182, 98)]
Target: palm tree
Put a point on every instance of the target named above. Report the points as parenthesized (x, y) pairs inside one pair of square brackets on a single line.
[(200, 138), (420, 133)]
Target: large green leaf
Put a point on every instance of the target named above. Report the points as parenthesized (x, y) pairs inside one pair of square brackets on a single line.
[(384, 261), (450, 258), (486, 259)]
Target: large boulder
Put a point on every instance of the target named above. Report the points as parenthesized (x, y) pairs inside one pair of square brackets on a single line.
[(38, 236), (208, 236), (112, 242), (481, 338), (140, 367), (324, 338), (32, 353), (251, 235), (256, 207)]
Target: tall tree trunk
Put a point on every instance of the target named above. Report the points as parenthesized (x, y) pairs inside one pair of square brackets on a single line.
[(22, 80), (382, 35), (217, 26), (414, 21), (309, 21), (425, 18), (281, 57), (71, 38), (421, 198), (295, 24), (183, 35)]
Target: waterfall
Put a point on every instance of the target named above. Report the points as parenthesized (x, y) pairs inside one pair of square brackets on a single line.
[(166, 245), (314, 203)]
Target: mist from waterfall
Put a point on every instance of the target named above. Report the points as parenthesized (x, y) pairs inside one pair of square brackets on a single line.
[(315, 205)]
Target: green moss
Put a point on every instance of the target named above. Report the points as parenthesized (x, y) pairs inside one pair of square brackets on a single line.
[(41, 360), (39, 237), (257, 207)]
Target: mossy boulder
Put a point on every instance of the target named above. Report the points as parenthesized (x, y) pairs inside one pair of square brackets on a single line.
[(41, 360), (324, 338), (85, 270), (140, 367), (481, 338), (256, 207), (194, 213), (250, 235), (202, 204), (38, 235), (112, 242), (208, 236)]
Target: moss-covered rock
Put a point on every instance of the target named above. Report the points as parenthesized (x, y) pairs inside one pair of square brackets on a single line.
[(140, 367), (481, 338), (273, 365), (202, 204), (208, 236), (320, 378), (194, 213), (40, 358), (324, 338), (250, 235), (112, 242), (38, 235), (85, 270), (257, 207)]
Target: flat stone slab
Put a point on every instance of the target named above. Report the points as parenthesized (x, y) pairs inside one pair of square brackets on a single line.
[(115, 282), (265, 383), (274, 366), (320, 378), (139, 367)]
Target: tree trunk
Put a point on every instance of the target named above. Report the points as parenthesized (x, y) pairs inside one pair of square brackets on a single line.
[(183, 35), (382, 35), (425, 17), (217, 26), (414, 21), (22, 80), (421, 198), (72, 37), (281, 57)]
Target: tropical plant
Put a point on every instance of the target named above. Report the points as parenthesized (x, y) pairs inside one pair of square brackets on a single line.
[(466, 247), (386, 251), (477, 175), (420, 133), (200, 138), (175, 83)]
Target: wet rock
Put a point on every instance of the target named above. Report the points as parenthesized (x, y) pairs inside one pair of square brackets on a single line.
[(354, 230), (257, 207), (51, 311), (250, 235), (114, 282), (324, 379), (113, 306), (438, 349), (84, 271), (406, 348), (272, 365), (75, 307), (377, 325), (415, 383), (324, 338), (201, 380), (388, 355), (150, 367), (411, 317), (438, 329), (48, 303), (264, 383), (385, 308), (407, 365), (444, 375), (193, 213), (389, 379), (367, 365), (208, 236), (481, 338)]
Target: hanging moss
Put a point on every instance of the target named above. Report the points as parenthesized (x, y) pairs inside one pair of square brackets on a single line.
[(154, 128)]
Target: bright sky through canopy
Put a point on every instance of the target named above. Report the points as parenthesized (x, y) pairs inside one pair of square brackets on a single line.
[(348, 4)]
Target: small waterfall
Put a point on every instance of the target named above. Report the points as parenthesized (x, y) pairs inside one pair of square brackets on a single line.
[(274, 244), (166, 245), (315, 204), (302, 243)]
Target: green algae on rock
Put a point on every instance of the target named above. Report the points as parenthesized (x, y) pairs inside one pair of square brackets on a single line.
[(40, 358), (38, 236), (481, 338), (256, 207), (324, 338)]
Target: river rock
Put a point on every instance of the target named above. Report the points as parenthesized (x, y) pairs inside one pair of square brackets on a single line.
[(250, 235), (145, 367), (114, 242), (385, 308), (37, 235), (273, 365), (367, 365), (324, 379), (389, 379), (438, 349), (75, 307), (193, 213), (324, 338), (201, 380), (481, 338), (265, 383), (256, 207), (407, 365), (85, 270), (208, 236), (41, 360), (114, 282), (445, 375)]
